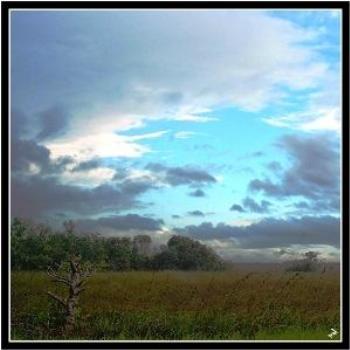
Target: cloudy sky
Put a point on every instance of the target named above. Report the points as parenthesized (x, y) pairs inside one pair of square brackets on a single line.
[(223, 126)]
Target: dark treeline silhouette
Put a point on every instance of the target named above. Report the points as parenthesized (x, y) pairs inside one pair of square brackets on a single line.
[(37, 247)]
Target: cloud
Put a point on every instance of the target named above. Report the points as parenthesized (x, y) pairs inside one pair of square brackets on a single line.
[(35, 196), (120, 223), (271, 233), (319, 112), (20, 125), (197, 193), (176, 176), (310, 120), (98, 145), (53, 122), (151, 135), (255, 207), (314, 172), (29, 157), (175, 216), (87, 165), (237, 207), (199, 62), (191, 118), (195, 213)]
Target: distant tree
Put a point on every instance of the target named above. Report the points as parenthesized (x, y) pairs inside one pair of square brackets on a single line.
[(142, 245), (165, 260), (35, 247), (186, 254), (119, 253), (308, 263)]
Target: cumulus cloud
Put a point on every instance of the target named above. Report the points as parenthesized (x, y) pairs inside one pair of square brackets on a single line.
[(176, 176), (29, 157), (253, 206), (271, 233), (36, 196), (237, 207), (120, 223), (314, 172)]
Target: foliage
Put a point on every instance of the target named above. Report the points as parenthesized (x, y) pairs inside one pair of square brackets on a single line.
[(186, 254), (35, 247)]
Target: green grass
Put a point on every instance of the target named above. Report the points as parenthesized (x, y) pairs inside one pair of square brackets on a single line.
[(231, 305)]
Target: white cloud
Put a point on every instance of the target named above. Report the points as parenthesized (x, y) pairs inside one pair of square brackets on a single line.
[(193, 118), (319, 112), (90, 178), (101, 145), (151, 135), (318, 119)]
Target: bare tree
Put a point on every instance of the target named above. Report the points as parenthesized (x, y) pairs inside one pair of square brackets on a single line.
[(75, 281)]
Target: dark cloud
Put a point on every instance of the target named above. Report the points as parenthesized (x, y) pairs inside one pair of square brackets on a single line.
[(35, 196), (196, 213), (121, 223), (53, 122), (25, 153), (237, 207), (197, 193), (314, 172), (20, 124), (87, 165), (176, 176), (271, 233), (176, 216), (317, 205), (255, 207)]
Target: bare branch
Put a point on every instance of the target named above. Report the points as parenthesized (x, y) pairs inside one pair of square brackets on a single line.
[(56, 277), (57, 298)]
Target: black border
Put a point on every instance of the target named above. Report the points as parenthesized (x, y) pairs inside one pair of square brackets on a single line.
[(6, 6)]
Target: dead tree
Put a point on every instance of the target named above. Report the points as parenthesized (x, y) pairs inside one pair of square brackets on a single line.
[(75, 281)]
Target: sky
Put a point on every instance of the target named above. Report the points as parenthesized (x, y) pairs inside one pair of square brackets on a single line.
[(222, 126)]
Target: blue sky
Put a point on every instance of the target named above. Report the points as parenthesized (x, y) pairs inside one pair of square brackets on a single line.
[(220, 125)]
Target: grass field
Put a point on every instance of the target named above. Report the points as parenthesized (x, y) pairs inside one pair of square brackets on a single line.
[(230, 305)]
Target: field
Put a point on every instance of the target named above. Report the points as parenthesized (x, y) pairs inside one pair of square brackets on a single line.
[(240, 304)]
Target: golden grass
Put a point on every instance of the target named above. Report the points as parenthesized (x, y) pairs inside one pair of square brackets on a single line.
[(224, 305)]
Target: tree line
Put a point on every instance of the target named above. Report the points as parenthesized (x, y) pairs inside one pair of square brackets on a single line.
[(37, 247)]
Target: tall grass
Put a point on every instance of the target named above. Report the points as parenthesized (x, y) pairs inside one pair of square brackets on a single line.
[(182, 305)]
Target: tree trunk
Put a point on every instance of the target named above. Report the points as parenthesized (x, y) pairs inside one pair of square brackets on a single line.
[(75, 283)]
